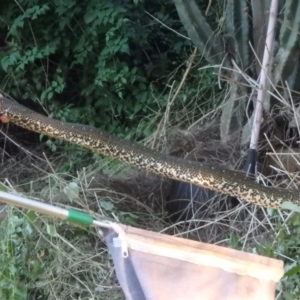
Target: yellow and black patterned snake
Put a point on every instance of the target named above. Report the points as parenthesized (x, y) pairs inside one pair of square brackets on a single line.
[(205, 175)]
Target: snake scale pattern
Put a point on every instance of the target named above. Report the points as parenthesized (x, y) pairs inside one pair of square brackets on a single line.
[(205, 175)]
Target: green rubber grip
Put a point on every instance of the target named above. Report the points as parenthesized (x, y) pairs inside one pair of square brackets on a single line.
[(78, 217)]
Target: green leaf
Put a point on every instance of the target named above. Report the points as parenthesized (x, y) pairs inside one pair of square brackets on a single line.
[(50, 95), (5, 63), (12, 269), (80, 43), (31, 216), (292, 271), (234, 241), (137, 107), (288, 296), (129, 218), (106, 204), (51, 230), (120, 94), (3, 188), (28, 229), (90, 16), (71, 191), (20, 292)]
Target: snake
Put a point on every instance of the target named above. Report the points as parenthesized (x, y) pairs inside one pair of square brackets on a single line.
[(204, 174)]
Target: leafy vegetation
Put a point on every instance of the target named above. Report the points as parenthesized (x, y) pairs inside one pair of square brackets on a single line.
[(42, 258), (104, 63), (286, 246), (93, 62)]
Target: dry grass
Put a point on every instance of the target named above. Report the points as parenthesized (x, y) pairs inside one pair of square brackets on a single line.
[(77, 260)]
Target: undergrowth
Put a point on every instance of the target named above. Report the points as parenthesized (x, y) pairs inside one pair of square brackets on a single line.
[(45, 258)]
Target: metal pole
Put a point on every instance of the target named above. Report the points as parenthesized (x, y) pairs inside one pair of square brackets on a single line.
[(70, 215)]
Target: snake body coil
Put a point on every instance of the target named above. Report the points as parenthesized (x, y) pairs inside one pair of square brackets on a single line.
[(205, 175)]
